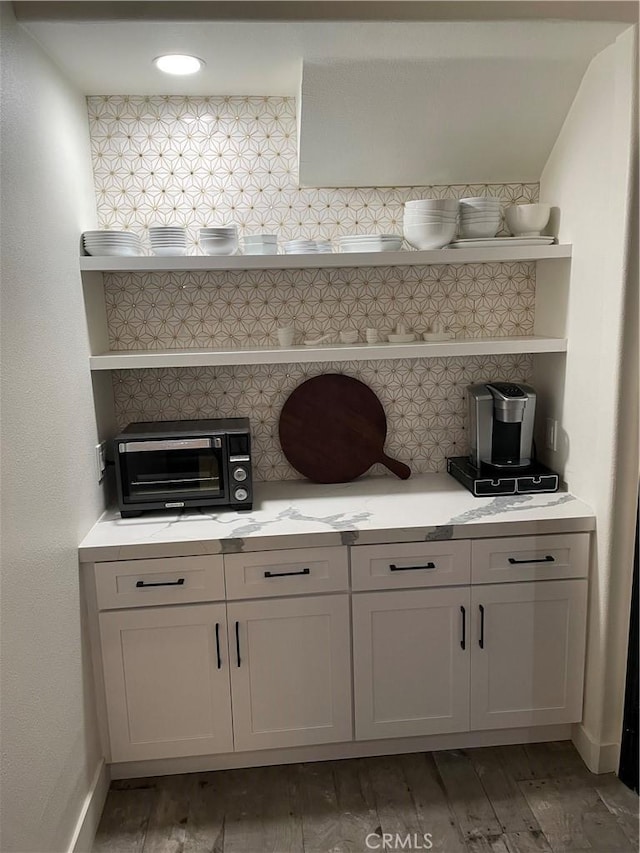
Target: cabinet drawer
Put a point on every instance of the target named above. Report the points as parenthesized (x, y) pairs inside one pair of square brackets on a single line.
[(530, 558), (292, 572), (175, 580), (411, 565)]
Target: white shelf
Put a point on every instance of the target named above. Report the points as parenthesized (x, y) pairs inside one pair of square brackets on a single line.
[(325, 261), (128, 360)]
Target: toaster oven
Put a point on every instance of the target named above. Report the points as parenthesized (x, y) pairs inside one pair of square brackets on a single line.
[(184, 464)]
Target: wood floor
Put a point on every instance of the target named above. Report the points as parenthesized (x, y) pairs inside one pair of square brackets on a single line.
[(510, 799)]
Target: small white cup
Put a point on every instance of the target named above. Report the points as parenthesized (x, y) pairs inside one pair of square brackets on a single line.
[(371, 336), (286, 334), (349, 336)]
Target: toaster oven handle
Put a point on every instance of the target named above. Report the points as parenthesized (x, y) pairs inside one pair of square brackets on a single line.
[(165, 444), (179, 582)]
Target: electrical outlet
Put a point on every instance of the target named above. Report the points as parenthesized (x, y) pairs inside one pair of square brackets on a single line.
[(551, 434), (101, 460)]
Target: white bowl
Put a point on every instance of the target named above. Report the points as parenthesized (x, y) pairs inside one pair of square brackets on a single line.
[(169, 251), (480, 201), (527, 220), (429, 236), (219, 246), (479, 229), (429, 217), (450, 204), (255, 249)]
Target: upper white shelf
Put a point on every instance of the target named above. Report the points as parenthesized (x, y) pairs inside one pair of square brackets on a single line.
[(137, 359), (325, 261)]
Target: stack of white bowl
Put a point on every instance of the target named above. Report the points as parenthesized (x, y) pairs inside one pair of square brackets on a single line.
[(300, 247), (324, 246), (430, 223), (222, 240), (260, 244), (371, 243), (112, 243), (479, 217), (168, 240)]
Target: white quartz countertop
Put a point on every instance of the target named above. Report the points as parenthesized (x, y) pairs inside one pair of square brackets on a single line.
[(299, 514)]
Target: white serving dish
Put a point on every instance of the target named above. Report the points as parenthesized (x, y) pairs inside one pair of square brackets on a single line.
[(406, 338), (501, 242)]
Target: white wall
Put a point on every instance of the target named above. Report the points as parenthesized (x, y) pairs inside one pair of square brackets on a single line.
[(589, 177), (49, 497)]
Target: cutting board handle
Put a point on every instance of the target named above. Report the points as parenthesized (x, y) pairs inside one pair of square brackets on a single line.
[(396, 467)]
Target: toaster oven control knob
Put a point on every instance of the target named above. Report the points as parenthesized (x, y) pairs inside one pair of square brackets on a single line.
[(241, 494), (240, 474)]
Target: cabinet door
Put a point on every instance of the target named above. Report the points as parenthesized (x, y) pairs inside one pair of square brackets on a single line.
[(290, 671), (166, 672), (411, 662), (527, 662)]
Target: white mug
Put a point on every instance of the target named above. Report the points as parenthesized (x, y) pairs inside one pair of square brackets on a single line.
[(286, 334)]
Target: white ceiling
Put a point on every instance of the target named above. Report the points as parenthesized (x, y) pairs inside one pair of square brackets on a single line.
[(265, 58), (381, 103)]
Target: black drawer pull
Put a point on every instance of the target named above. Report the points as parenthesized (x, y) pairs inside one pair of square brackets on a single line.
[(463, 641), (238, 642), (394, 568), (218, 645), (179, 582), (286, 574), (547, 559), (481, 640)]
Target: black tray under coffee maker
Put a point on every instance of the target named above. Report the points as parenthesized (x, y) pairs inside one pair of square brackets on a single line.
[(501, 461), (487, 480)]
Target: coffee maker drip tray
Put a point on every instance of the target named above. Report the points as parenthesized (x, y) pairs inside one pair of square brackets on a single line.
[(488, 480)]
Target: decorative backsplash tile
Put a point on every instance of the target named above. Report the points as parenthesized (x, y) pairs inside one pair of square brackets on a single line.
[(211, 161), (169, 310), (198, 161), (424, 400)]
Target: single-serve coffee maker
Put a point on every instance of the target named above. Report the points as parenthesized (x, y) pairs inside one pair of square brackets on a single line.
[(501, 416), (502, 458)]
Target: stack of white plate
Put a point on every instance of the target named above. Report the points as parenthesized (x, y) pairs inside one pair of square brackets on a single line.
[(300, 247), (260, 244), (324, 246), (479, 217), (371, 243), (168, 240), (112, 243), (430, 223), (221, 240)]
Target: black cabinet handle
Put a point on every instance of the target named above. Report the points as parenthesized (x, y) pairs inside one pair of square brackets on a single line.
[(463, 641), (547, 559), (481, 640), (394, 568), (179, 582), (286, 574), (238, 642), (218, 645)]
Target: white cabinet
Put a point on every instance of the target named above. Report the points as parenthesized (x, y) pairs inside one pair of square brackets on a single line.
[(290, 671), (166, 674), (527, 645), (411, 662)]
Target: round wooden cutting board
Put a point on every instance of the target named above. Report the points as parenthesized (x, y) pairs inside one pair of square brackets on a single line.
[(333, 428)]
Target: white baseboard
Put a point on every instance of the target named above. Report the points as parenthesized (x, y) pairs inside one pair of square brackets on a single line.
[(89, 818), (599, 757), (332, 751)]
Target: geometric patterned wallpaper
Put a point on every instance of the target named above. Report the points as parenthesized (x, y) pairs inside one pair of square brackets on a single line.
[(423, 399), (201, 161), (203, 309)]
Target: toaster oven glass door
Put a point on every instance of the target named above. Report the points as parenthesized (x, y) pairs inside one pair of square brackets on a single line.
[(167, 470)]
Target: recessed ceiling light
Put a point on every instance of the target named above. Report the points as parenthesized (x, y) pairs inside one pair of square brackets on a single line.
[(178, 63)]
